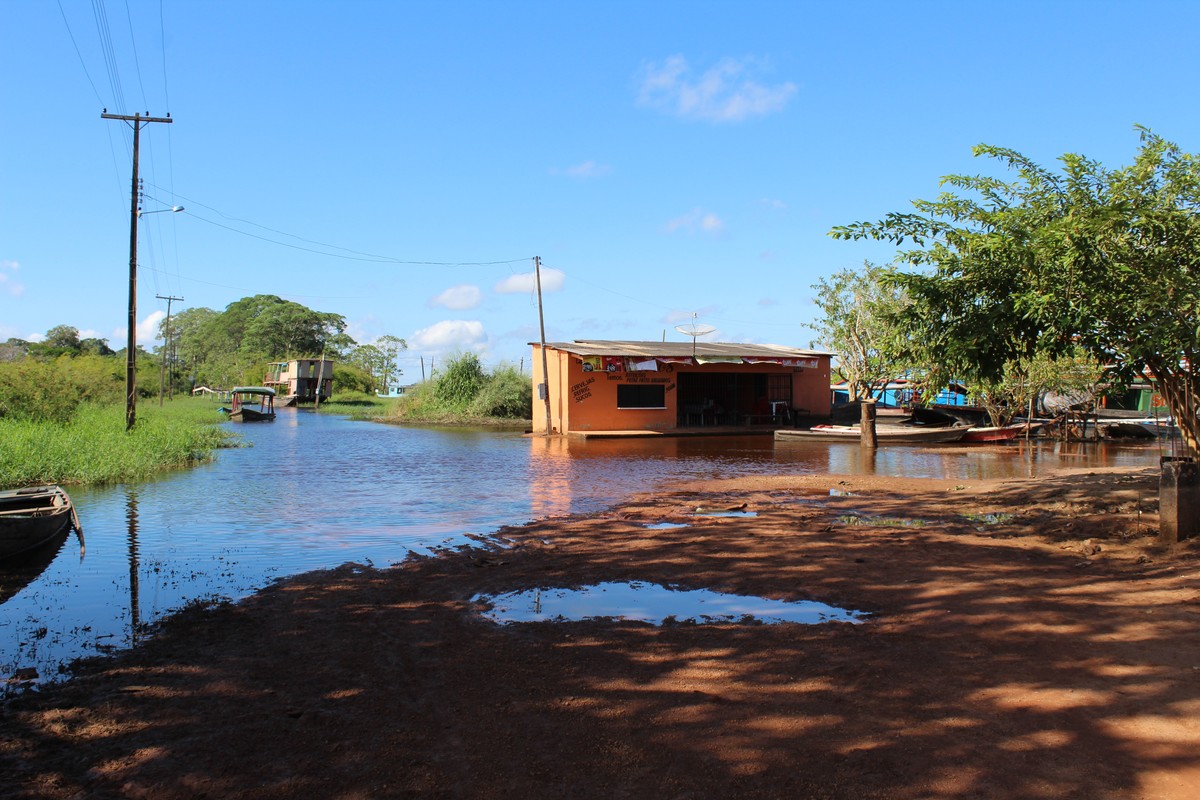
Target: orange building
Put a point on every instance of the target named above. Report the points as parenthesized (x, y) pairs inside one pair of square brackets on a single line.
[(665, 386)]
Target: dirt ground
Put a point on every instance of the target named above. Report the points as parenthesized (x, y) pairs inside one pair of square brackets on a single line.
[(1028, 639)]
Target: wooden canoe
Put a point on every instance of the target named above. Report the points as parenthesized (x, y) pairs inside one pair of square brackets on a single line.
[(31, 517), (1003, 433), (884, 434)]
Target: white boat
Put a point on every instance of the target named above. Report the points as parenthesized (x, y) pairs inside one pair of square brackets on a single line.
[(884, 434)]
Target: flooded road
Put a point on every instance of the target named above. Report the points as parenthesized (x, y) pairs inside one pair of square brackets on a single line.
[(313, 491)]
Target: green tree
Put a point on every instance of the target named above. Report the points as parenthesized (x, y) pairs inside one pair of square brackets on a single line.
[(1022, 382), (390, 348), (63, 337), (861, 323), (1105, 260), (369, 359)]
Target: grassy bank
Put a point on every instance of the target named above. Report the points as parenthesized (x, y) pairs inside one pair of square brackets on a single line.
[(93, 446), (412, 409), (358, 405)]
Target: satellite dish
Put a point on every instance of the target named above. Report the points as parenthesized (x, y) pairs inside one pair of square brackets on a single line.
[(694, 329)]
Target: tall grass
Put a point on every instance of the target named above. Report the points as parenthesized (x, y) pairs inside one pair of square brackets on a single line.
[(358, 405), (93, 446)]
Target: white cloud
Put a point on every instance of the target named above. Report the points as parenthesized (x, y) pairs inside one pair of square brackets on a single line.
[(448, 336), (726, 92), (552, 281), (458, 298), (36, 337), (773, 204), (8, 282), (147, 329), (585, 170), (696, 220)]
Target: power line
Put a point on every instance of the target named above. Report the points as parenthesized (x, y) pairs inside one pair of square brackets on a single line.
[(75, 44)]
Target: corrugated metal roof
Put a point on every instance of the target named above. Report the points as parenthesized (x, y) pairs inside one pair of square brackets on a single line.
[(681, 349)]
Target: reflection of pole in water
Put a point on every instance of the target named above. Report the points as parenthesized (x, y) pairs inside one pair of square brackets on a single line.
[(131, 517)]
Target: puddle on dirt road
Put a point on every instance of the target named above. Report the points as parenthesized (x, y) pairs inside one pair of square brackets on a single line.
[(654, 603), (663, 526), (726, 514)]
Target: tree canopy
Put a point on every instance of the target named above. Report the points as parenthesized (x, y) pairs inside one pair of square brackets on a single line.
[(860, 322), (1088, 257)]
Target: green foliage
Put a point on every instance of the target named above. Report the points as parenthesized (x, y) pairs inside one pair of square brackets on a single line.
[(63, 337), (460, 381), (506, 394), (350, 378), (37, 391), (1024, 381), (229, 347), (862, 322), (1104, 260), (93, 446), (359, 405), (465, 394)]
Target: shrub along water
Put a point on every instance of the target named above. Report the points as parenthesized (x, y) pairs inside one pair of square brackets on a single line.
[(93, 446), (464, 393)]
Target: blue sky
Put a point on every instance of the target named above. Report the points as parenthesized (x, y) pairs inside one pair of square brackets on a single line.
[(401, 163)]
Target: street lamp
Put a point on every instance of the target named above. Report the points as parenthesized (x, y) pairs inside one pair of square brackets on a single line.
[(175, 209)]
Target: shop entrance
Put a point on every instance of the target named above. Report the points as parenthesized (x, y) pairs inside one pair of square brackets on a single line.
[(734, 398)]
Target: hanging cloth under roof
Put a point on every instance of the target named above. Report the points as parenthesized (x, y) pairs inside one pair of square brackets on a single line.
[(718, 359)]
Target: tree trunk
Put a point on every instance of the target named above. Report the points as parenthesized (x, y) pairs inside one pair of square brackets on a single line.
[(1179, 390)]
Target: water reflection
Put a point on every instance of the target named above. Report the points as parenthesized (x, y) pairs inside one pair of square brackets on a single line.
[(654, 603), (18, 573), (131, 520)]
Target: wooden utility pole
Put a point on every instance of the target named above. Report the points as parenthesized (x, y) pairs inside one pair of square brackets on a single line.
[(545, 385), (137, 121), (162, 368)]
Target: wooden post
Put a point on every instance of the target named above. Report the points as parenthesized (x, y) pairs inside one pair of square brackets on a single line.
[(867, 435), (1178, 500)]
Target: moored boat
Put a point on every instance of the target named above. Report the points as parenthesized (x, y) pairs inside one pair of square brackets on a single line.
[(884, 434), (245, 397), (33, 516), (1002, 433)]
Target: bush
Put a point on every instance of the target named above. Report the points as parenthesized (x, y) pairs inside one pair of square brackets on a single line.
[(507, 394), (37, 391), (349, 378), (460, 381)]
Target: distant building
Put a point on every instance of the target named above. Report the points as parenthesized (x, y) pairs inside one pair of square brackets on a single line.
[(663, 386), (298, 381)]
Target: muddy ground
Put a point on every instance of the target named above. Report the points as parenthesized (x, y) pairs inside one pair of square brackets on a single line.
[(1028, 639)]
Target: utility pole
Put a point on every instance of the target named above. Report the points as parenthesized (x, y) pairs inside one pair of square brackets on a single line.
[(545, 386), (320, 376), (137, 121), (162, 368)]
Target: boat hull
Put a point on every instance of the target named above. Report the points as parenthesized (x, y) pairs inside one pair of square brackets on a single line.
[(251, 415), (1003, 433), (29, 518), (883, 434)]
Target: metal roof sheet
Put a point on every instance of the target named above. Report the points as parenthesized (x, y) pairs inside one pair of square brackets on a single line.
[(581, 347)]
